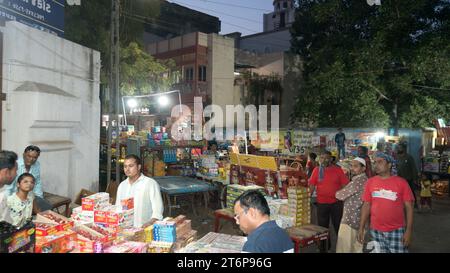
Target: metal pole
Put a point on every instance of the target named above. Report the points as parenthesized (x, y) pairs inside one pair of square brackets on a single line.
[(124, 112), (110, 104), (117, 83)]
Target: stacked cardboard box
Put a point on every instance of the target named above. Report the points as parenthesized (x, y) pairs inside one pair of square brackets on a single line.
[(299, 205), (234, 191)]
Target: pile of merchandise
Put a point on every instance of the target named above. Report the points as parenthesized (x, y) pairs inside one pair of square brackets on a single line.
[(234, 191), (299, 205), (216, 243)]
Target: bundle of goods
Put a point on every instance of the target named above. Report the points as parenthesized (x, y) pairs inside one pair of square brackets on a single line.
[(160, 247), (185, 234), (299, 205), (13, 240), (208, 166), (234, 191), (127, 247), (440, 187), (114, 217), (279, 209), (60, 242), (216, 243), (95, 202), (49, 217), (170, 156), (131, 234)]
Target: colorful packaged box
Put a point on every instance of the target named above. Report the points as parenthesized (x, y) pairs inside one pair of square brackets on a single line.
[(45, 229), (165, 231), (13, 240), (80, 216), (127, 247), (160, 247), (62, 223), (110, 233), (91, 241), (113, 215), (127, 204), (148, 233), (132, 234), (95, 202), (61, 242)]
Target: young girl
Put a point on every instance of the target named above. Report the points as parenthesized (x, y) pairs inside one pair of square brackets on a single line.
[(22, 204), (425, 192)]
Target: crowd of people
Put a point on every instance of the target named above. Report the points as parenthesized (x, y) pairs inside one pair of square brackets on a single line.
[(370, 199)]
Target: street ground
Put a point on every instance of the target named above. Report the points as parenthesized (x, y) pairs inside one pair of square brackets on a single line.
[(430, 233)]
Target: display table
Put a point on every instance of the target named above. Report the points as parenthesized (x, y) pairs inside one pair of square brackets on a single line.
[(221, 186), (58, 201), (306, 235), (176, 186)]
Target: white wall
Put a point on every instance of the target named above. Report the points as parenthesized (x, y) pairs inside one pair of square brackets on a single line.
[(52, 88), (220, 70)]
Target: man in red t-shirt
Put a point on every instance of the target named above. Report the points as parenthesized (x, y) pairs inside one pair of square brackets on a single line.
[(327, 179), (385, 199)]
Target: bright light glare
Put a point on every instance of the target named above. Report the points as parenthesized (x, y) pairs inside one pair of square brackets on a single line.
[(132, 103), (163, 101), (380, 134)]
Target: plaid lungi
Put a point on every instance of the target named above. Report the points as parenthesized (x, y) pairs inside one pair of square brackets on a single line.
[(388, 242)]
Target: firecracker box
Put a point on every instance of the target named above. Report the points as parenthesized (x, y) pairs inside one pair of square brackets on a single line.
[(80, 216), (13, 240), (127, 247), (113, 215), (91, 241), (61, 242), (148, 233), (185, 239), (132, 234), (184, 227), (160, 247), (45, 229), (110, 233), (127, 204), (62, 223), (95, 202)]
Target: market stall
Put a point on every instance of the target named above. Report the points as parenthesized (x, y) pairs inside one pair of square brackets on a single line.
[(173, 187)]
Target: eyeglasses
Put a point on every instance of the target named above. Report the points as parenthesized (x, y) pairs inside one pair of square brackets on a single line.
[(237, 216)]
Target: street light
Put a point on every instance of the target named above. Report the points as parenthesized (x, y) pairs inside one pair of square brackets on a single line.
[(132, 103), (163, 100)]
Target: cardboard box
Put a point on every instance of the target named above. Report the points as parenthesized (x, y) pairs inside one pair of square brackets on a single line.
[(82, 216), (61, 242), (91, 241), (62, 223), (95, 202), (45, 229)]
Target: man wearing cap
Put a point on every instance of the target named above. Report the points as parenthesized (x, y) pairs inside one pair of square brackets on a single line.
[(386, 198), (351, 195)]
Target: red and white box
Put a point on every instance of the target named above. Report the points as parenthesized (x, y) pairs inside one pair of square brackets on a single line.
[(95, 202), (127, 204), (62, 223)]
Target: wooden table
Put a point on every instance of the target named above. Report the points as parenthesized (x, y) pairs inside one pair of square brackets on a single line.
[(58, 201)]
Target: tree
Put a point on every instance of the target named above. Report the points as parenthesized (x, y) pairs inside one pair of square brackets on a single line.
[(141, 74), (364, 66), (89, 25)]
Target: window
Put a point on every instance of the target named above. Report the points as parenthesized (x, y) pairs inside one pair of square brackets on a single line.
[(189, 74), (285, 5), (202, 73), (282, 20)]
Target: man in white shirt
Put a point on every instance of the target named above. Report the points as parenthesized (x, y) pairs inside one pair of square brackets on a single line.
[(8, 172), (148, 204)]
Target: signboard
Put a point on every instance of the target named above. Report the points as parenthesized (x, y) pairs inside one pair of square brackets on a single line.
[(253, 161), (46, 15)]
